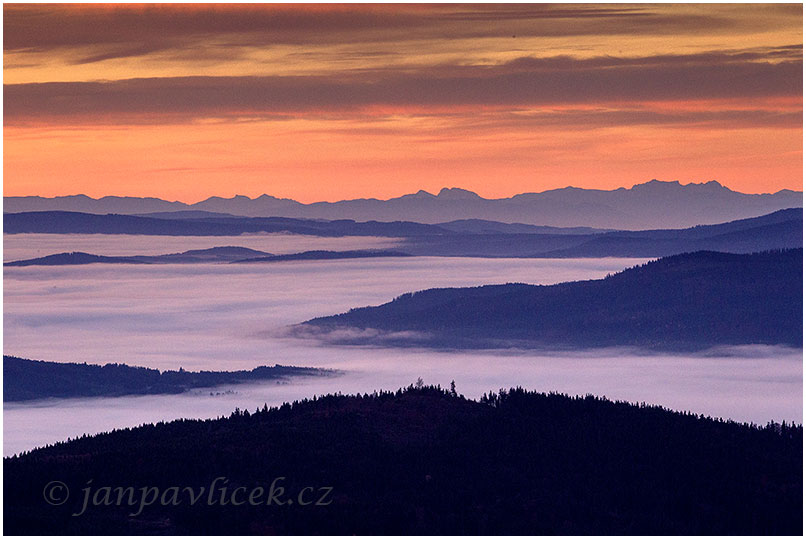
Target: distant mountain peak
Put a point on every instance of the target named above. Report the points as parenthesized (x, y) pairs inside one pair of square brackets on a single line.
[(655, 184), (419, 195), (457, 193), (711, 185), (652, 204)]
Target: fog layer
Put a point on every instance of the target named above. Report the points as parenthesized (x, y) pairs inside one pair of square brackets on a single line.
[(24, 246), (224, 317)]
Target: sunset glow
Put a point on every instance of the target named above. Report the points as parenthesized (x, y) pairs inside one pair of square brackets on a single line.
[(331, 102)]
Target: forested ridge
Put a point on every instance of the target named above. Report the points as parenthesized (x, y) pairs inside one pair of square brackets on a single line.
[(26, 379), (683, 302), (428, 461)]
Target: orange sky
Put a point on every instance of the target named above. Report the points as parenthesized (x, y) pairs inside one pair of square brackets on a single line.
[(184, 102)]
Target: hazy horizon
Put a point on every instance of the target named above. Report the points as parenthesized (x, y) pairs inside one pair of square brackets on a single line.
[(435, 193), (337, 102)]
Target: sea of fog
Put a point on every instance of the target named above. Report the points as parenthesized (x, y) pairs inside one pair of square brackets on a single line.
[(223, 317), (23, 246)]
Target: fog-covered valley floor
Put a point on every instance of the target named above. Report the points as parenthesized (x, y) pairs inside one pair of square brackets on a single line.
[(227, 317)]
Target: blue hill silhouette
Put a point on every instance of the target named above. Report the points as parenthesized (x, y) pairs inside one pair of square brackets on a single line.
[(683, 302)]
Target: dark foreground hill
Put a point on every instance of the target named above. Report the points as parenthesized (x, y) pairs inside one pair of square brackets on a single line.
[(419, 461), (25, 379), (687, 301)]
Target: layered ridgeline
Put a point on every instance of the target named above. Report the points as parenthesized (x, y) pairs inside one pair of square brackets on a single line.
[(419, 461), (649, 205), (231, 255), (779, 230), (65, 222), (195, 256), (682, 302), (25, 379)]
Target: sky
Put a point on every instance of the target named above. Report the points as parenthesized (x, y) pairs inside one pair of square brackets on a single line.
[(336, 101)]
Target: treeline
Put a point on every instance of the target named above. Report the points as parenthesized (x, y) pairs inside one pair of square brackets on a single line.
[(428, 461)]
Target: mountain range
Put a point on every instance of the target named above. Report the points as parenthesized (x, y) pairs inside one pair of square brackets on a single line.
[(654, 204), (471, 238)]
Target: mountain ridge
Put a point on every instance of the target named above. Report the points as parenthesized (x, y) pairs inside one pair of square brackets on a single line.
[(690, 301), (215, 255), (475, 238), (652, 204), (27, 379)]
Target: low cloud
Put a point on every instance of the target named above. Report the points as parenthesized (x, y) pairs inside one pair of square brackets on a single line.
[(354, 336), (162, 27), (523, 83)]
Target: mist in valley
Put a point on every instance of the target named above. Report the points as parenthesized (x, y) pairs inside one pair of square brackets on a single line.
[(229, 317), (25, 246)]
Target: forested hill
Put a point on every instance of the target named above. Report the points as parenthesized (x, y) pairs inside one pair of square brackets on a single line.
[(687, 301), (26, 379), (425, 461)]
